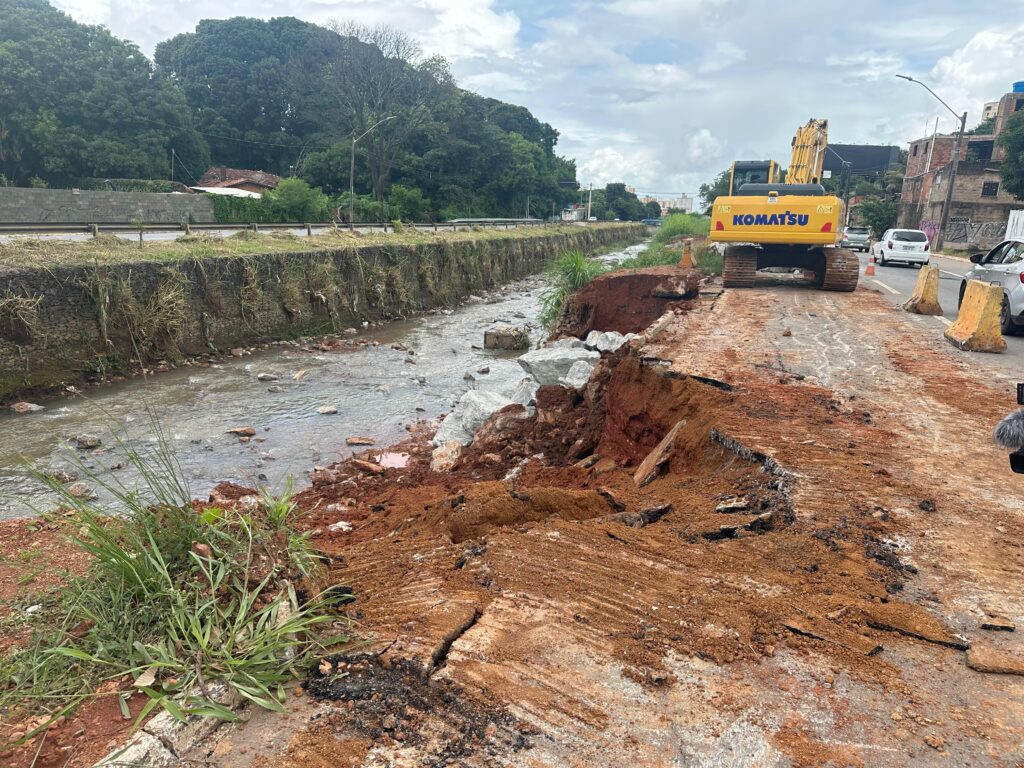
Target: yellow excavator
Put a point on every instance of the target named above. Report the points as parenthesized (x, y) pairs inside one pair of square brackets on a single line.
[(795, 224)]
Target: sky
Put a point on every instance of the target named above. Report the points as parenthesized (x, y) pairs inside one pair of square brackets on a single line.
[(664, 94)]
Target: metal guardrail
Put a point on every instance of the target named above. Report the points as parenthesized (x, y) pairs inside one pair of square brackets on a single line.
[(44, 228)]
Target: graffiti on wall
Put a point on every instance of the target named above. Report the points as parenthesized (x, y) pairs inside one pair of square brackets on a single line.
[(962, 230), (930, 228)]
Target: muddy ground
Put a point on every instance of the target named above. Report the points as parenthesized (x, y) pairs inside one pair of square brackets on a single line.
[(826, 527)]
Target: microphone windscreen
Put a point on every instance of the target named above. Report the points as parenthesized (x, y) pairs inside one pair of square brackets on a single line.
[(1009, 432)]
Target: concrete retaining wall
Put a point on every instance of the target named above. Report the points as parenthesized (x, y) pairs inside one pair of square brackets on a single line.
[(59, 325), (65, 206)]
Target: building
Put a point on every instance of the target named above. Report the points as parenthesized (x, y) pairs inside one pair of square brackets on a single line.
[(238, 178), (866, 160), (989, 111), (980, 207), (683, 202)]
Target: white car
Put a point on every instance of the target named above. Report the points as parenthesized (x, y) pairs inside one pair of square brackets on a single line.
[(1003, 265), (909, 246)]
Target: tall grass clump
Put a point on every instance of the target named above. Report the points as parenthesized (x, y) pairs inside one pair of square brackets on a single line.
[(568, 273), (679, 224), (177, 597), (676, 225)]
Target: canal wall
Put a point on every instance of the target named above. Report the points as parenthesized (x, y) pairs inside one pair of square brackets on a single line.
[(63, 324)]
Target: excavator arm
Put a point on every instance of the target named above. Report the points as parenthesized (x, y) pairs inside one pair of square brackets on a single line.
[(808, 156)]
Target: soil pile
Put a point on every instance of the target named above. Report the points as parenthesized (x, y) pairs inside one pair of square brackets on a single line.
[(626, 301)]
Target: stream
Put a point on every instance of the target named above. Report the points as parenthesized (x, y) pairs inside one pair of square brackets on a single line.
[(377, 390)]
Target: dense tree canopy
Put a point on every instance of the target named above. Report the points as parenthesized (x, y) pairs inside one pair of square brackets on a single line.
[(76, 101), (1011, 140), (285, 96), (305, 92)]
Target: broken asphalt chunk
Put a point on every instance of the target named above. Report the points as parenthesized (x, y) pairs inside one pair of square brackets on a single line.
[(912, 621), (987, 659), (822, 629)]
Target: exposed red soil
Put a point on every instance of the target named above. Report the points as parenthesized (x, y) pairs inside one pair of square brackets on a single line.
[(626, 301), (522, 586)]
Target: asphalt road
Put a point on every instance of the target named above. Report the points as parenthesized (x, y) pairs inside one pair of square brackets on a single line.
[(896, 283)]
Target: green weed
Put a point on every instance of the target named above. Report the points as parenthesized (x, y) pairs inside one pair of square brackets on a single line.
[(175, 598), (568, 273)]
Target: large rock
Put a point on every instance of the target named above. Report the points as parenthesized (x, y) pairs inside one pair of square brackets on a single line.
[(470, 412), (504, 336), (606, 341), (549, 365), (525, 393), (578, 375)]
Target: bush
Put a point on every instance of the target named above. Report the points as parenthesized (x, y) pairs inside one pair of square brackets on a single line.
[(679, 224), (295, 201), (569, 272), (176, 598)]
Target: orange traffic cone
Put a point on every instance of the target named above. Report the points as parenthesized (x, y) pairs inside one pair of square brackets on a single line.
[(686, 262), (869, 270)]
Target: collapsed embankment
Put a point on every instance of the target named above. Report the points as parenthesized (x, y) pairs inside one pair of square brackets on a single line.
[(62, 323)]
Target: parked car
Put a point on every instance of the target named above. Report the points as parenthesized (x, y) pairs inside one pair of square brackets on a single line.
[(857, 238), (1003, 265), (909, 246)]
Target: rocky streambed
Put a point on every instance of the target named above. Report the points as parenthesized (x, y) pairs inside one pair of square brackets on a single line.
[(301, 402)]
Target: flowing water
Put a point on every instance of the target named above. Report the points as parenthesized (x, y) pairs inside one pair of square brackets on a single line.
[(377, 391)]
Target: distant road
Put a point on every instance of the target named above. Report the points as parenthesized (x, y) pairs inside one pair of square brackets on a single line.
[(157, 232)]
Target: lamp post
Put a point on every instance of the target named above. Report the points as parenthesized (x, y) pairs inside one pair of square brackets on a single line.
[(940, 239), (352, 172)]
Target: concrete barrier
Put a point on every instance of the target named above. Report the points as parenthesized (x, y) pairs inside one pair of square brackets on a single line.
[(977, 326), (925, 299)]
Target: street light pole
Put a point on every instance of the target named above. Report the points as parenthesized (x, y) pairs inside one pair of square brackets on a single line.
[(940, 239), (352, 172)]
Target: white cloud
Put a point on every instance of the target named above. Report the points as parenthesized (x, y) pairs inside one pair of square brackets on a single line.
[(723, 56), (703, 147), (608, 165), (866, 65), (982, 70)]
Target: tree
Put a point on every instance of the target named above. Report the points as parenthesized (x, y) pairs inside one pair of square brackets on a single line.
[(380, 77), (710, 192), (1011, 141), (253, 86), (75, 101), (653, 210), (625, 206), (879, 213), (293, 200)]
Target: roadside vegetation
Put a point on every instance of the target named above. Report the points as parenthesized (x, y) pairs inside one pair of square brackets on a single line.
[(572, 270), (110, 249), (179, 600), (568, 273)]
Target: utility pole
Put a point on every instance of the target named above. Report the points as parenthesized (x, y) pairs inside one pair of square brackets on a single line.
[(590, 199), (172, 164), (352, 173), (940, 238)]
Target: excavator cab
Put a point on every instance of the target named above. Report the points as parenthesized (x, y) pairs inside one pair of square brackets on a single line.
[(752, 172)]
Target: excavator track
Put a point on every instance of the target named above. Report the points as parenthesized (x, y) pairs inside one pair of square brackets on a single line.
[(739, 266), (842, 270)]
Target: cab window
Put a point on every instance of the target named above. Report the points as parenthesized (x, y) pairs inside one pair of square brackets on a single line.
[(995, 256), (1014, 253)]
